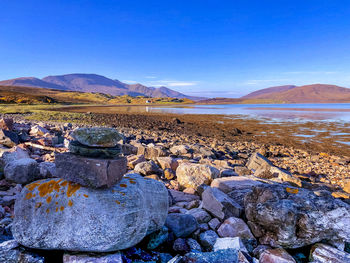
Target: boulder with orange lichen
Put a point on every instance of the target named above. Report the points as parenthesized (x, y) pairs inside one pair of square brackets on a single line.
[(56, 214)]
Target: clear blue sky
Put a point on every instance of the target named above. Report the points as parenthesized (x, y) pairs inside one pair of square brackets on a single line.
[(211, 48)]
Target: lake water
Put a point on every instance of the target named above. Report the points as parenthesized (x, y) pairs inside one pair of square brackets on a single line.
[(274, 112)]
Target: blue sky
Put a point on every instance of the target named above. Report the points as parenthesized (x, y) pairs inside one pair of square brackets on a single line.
[(204, 48)]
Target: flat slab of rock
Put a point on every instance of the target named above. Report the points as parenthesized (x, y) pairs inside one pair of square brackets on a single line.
[(90, 172), (97, 152), (97, 137), (228, 184), (55, 214), (220, 256)]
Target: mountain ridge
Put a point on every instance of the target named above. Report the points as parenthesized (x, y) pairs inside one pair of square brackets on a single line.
[(94, 83)]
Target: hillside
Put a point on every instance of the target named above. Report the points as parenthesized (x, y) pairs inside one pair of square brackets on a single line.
[(316, 93), (31, 95), (94, 83)]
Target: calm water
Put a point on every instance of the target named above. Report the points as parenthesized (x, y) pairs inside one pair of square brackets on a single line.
[(274, 112)]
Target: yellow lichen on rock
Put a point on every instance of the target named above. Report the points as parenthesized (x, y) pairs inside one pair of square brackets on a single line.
[(292, 190)]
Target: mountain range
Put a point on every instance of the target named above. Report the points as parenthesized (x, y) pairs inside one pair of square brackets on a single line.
[(95, 83), (315, 93)]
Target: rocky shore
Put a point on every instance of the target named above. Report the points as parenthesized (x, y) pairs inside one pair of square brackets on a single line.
[(143, 195)]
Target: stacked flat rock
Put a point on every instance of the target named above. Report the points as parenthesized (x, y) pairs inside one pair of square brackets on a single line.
[(95, 158), (92, 207)]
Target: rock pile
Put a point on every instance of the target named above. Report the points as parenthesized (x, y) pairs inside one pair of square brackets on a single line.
[(211, 201), (91, 207)]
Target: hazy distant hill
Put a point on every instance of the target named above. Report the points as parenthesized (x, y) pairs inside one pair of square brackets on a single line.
[(94, 83), (316, 93), (265, 93)]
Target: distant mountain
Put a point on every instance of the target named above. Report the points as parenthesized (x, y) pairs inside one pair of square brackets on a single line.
[(95, 83), (315, 93), (265, 93)]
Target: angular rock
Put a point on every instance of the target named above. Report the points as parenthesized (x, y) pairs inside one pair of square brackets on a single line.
[(235, 227), (151, 152), (229, 184), (90, 172), (214, 223), (277, 255), (91, 258), (179, 196), (97, 137), (182, 225), (208, 239), (11, 252), (157, 238), (200, 215), (293, 218), (133, 160), (48, 214), (180, 245), (47, 170), (322, 253), (14, 154), (8, 138), (180, 149), (193, 175), (229, 242), (265, 169), (193, 244), (220, 256), (6, 124), (22, 171), (168, 163), (219, 204), (97, 152), (38, 131), (147, 168)]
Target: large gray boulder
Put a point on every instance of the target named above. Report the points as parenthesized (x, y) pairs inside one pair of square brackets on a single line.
[(90, 172), (22, 171), (293, 218), (192, 175), (60, 215)]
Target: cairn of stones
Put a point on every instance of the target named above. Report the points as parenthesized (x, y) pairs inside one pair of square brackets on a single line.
[(93, 206)]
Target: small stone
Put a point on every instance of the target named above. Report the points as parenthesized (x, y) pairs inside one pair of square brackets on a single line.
[(219, 204), (201, 215), (180, 149), (8, 138), (179, 196), (38, 131), (147, 168), (221, 256), (97, 152), (169, 174), (168, 163), (208, 238), (277, 255), (323, 253), (229, 242), (193, 244), (235, 227), (93, 258), (6, 124), (157, 238), (22, 171), (180, 245), (182, 225), (214, 223), (90, 172), (133, 160), (97, 137)]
